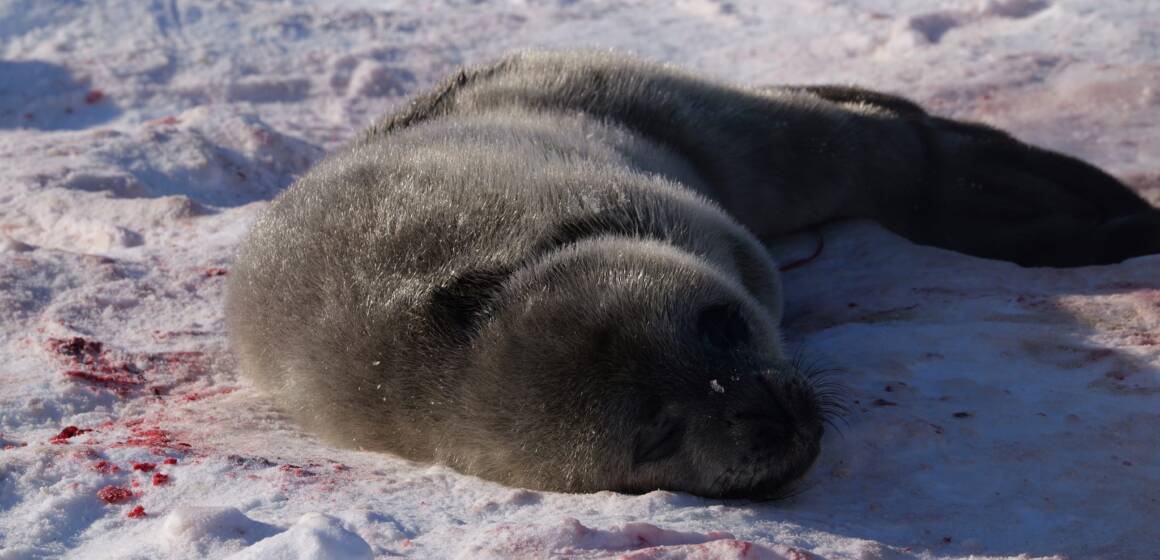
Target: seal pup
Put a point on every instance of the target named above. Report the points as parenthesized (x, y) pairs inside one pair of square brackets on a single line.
[(546, 272)]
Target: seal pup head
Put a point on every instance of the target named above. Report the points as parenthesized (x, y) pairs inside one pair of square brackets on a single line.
[(626, 364)]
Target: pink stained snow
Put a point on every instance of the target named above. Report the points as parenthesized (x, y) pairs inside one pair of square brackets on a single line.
[(997, 411)]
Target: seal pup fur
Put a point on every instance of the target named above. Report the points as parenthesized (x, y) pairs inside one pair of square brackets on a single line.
[(546, 272)]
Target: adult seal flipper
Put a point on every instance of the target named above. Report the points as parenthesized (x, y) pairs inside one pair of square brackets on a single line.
[(546, 272)]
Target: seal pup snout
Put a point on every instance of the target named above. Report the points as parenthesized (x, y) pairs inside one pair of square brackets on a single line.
[(769, 433)]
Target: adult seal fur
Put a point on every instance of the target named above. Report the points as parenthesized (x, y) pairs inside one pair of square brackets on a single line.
[(546, 272)]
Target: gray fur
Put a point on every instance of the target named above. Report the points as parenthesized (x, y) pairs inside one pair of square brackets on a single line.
[(529, 274)]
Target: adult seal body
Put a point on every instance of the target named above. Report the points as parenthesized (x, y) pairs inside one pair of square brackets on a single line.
[(546, 272)]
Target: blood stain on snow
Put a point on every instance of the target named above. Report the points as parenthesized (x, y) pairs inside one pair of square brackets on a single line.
[(144, 467), (169, 121), (105, 467), (217, 271), (297, 470), (156, 439), (170, 461), (160, 478), (1142, 339), (166, 335), (187, 357), (9, 444), (743, 547), (123, 372), (197, 396), (114, 494), (137, 512), (67, 433), (90, 363), (94, 96), (76, 347), (795, 554), (85, 455), (119, 381)]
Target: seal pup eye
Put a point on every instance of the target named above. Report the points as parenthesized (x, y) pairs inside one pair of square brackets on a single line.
[(661, 436), (457, 306), (722, 327)]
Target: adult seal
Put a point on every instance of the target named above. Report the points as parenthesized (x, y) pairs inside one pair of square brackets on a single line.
[(546, 272)]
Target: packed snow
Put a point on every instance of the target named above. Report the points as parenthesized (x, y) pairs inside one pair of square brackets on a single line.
[(997, 411)]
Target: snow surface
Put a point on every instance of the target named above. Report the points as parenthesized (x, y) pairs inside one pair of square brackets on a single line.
[(998, 411)]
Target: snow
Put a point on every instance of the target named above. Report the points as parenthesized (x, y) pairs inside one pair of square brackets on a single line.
[(998, 411), (210, 531), (314, 536)]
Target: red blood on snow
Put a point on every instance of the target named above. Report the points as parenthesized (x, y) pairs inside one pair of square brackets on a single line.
[(67, 433), (123, 380), (76, 347), (160, 478), (94, 96), (170, 461), (105, 467), (144, 467), (114, 494), (136, 513)]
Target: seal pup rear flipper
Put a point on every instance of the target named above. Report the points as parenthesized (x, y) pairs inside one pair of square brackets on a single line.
[(991, 195)]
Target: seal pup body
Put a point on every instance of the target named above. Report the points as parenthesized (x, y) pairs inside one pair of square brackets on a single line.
[(546, 272)]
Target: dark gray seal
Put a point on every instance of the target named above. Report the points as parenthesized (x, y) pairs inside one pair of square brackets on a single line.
[(546, 272)]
